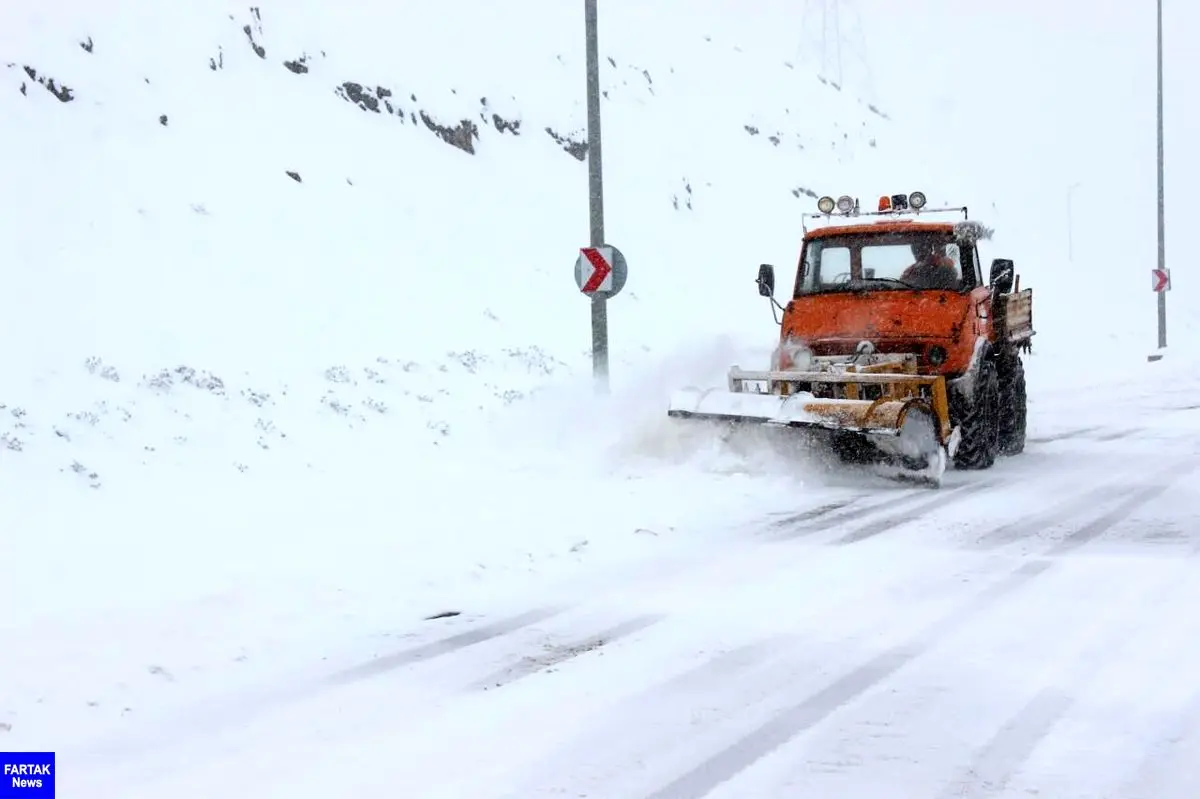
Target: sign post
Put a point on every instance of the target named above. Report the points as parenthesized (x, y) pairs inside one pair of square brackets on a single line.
[(595, 195), (1162, 227)]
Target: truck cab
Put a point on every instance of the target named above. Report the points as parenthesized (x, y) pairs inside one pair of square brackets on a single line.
[(906, 286)]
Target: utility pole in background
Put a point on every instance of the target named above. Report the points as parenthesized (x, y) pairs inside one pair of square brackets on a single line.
[(841, 28), (1162, 224)]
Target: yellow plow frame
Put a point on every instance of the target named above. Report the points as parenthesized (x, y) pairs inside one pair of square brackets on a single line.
[(903, 415), (901, 388)]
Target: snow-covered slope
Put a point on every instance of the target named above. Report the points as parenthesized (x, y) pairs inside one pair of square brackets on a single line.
[(253, 209)]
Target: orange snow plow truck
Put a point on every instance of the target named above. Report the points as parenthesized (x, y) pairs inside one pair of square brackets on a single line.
[(892, 346)]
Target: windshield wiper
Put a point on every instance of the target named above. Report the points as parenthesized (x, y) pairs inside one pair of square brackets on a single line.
[(896, 280)]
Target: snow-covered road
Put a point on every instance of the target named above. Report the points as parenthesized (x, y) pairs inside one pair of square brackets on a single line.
[(1030, 630)]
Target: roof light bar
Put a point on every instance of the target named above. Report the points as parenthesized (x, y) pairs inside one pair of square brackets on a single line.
[(889, 204)]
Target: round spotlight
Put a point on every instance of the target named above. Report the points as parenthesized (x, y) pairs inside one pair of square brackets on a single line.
[(845, 203), (825, 205), (916, 200)]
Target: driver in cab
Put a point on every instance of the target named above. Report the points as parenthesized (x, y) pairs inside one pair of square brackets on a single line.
[(932, 268)]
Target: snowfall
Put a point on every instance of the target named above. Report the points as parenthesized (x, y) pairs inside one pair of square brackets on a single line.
[(307, 490)]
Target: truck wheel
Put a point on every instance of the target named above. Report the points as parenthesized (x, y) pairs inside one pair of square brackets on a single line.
[(1013, 409), (978, 419)]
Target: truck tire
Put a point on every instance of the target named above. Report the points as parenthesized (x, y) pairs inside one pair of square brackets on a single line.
[(978, 419), (1012, 408)]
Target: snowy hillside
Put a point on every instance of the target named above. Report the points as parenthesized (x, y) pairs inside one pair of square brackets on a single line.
[(270, 214)]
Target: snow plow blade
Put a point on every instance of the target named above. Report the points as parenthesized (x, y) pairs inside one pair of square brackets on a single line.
[(903, 427)]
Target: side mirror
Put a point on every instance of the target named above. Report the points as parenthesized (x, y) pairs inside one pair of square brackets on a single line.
[(766, 280), (1002, 275)]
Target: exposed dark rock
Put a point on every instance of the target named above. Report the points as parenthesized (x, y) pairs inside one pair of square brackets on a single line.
[(354, 93), (294, 176), (753, 131), (462, 135), (259, 50), (503, 124), (801, 190), (250, 32), (299, 66), (63, 93), (162, 120), (88, 45), (687, 187), (500, 123), (217, 63), (578, 149)]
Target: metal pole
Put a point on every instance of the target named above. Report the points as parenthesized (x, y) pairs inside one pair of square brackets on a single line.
[(595, 193), (1162, 225)]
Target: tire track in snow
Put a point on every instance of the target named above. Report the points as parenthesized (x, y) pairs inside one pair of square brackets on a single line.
[(445, 646), (943, 499), (169, 738), (664, 727), (1169, 763), (1134, 500), (1026, 526), (725, 664), (826, 517), (1011, 746), (1132, 496), (892, 520), (803, 716), (1117, 435), (1001, 758), (1063, 436), (555, 655), (1180, 408), (1130, 715), (816, 708), (829, 521), (791, 519), (739, 563)]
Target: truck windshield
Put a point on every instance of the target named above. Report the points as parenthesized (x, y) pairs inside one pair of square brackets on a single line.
[(880, 262)]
